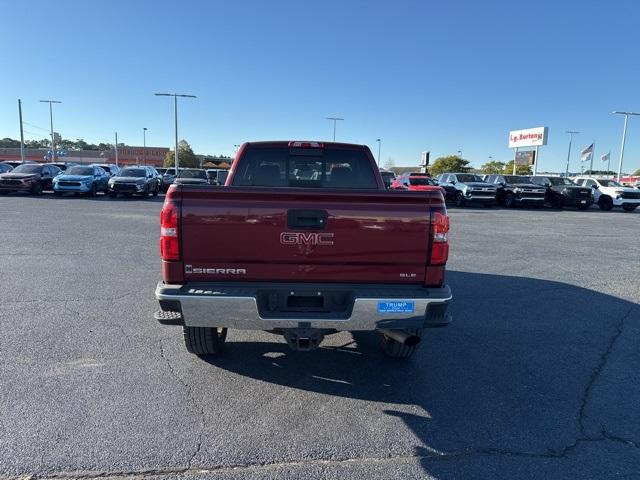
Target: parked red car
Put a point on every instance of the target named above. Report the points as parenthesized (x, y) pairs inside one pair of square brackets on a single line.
[(414, 182)]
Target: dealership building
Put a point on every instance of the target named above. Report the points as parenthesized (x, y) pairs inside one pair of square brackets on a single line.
[(127, 155)]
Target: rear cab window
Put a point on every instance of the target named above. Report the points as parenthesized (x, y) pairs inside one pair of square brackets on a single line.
[(305, 167)]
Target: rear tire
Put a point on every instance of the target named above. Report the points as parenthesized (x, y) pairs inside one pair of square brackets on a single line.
[(113, 194), (204, 340), (395, 349), (605, 203), (459, 200), (156, 190), (57, 194), (629, 208)]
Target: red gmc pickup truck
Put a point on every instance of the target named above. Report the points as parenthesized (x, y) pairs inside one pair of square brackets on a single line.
[(303, 241)]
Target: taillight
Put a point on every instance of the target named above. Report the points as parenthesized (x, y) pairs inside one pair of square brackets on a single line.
[(169, 243), (440, 240)]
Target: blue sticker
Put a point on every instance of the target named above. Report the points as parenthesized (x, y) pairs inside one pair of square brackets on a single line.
[(396, 307)]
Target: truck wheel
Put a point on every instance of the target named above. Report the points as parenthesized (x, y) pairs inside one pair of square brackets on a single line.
[(204, 340), (605, 203), (629, 208), (36, 189), (585, 206), (459, 200), (393, 348), (556, 202), (112, 194), (509, 200)]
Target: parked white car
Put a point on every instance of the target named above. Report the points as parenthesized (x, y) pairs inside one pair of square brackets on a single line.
[(609, 193)]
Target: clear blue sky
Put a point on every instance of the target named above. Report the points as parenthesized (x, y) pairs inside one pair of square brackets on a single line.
[(422, 75)]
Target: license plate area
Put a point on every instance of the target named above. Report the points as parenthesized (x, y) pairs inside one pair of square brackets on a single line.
[(305, 303)]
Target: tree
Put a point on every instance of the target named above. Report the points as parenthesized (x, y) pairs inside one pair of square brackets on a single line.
[(389, 164), (186, 157), (492, 167), (452, 163), (599, 172), (636, 173), (9, 143), (520, 169)]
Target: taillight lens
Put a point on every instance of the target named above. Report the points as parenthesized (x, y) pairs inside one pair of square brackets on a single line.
[(169, 243), (440, 240)]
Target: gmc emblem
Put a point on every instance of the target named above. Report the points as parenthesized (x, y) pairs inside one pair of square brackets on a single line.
[(302, 238)]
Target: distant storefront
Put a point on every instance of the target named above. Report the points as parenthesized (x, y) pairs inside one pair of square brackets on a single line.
[(127, 155)]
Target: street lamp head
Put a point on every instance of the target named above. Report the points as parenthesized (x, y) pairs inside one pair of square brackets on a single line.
[(162, 94), (626, 113), (50, 101)]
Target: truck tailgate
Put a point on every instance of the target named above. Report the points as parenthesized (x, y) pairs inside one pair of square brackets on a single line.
[(304, 235)]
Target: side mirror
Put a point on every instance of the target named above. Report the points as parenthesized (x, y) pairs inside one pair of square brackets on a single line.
[(595, 187)]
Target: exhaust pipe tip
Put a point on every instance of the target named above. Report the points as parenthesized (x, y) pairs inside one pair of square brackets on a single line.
[(402, 336)]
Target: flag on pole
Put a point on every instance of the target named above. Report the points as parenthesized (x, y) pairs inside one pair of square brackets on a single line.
[(586, 154), (605, 158)]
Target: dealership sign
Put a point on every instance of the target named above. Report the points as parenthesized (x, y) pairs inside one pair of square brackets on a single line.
[(530, 137)]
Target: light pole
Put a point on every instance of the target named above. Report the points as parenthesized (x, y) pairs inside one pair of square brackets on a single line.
[(53, 140), (144, 145), (334, 119), (571, 134), (624, 138), (379, 143), (175, 117)]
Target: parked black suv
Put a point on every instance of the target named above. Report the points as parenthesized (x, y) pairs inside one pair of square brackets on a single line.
[(563, 192), (517, 190), (464, 188), (134, 180)]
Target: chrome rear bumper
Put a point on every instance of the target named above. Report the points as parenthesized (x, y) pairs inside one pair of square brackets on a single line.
[(239, 307)]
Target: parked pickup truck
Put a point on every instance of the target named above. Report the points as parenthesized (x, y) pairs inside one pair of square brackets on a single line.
[(303, 241)]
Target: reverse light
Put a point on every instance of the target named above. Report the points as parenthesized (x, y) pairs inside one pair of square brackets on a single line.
[(169, 240)]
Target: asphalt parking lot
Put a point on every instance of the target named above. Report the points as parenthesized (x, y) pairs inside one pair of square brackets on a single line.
[(538, 377)]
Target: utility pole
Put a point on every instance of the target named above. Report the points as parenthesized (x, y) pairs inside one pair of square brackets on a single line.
[(21, 131), (53, 139), (334, 119), (571, 134), (624, 138), (175, 118), (144, 146), (379, 143), (116, 149)]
